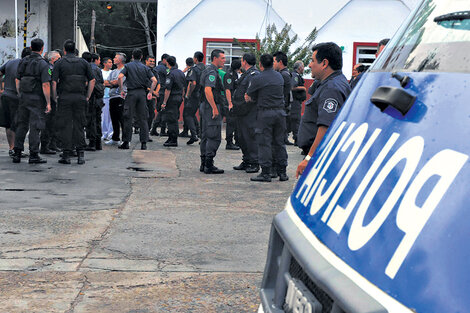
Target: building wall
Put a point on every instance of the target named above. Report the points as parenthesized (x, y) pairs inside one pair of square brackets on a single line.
[(363, 21), (211, 19), (38, 25)]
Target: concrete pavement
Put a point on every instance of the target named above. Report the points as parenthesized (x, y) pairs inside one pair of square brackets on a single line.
[(134, 231)]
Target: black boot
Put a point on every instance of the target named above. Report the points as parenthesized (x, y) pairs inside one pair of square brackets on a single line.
[(264, 176), (282, 173), (242, 167), (16, 156), (98, 145), (203, 164), (64, 157), (231, 146), (192, 140), (91, 146), (124, 145), (34, 158), (274, 171), (81, 157), (209, 167), (252, 168)]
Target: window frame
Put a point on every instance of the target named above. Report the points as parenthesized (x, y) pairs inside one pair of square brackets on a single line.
[(205, 41)]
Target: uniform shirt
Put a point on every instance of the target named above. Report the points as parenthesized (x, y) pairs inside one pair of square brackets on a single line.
[(114, 92), (161, 71), (137, 74), (267, 88), (242, 85), (297, 81), (98, 76), (327, 99), (63, 68), (210, 78), (10, 69), (155, 74), (44, 74), (194, 75), (287, 85), (175, 82)]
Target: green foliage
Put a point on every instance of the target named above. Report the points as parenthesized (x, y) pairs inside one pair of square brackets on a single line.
[(281, 41), (115, 28)]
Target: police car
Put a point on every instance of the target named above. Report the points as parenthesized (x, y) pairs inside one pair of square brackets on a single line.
[(379, 220)]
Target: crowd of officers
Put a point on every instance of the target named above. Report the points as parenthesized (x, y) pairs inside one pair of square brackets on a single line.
[(60, 100)]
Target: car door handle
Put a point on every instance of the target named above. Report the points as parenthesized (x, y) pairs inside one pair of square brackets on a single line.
[(398, 98)]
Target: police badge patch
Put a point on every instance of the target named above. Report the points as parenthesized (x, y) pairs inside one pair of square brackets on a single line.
[(330, 105), (229, 81), (50, 72), (211, 78), (168, 81)]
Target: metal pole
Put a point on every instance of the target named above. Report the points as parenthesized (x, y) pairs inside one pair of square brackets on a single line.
[(16, 27), (25, 28)]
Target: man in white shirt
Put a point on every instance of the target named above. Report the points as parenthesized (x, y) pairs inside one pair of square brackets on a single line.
[(106, 125)]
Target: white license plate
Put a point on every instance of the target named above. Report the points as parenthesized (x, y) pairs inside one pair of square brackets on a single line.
[(299, 299)]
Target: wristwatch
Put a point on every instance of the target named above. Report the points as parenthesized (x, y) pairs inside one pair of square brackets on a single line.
[(307, 158)]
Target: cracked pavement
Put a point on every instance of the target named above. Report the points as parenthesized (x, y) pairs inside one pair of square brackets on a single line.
[(134, 231)]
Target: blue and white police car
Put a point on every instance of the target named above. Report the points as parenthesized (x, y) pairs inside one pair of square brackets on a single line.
[(380, 219)]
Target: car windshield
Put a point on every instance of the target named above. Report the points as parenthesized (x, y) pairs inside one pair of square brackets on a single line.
[(437, 39)]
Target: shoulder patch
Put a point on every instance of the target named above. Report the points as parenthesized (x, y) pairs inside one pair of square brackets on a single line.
[(211, 78), (229, 81), (50, 72), (168, 80), (330, 105)]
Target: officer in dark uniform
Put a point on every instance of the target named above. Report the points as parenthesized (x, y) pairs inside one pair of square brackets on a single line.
[(210, 110), (331, 92), (230, 80), (162, 70), (49, 134), (151, 104), (267, 88), (299, 94), (93, 127), (33, 83), (246, 116), (280, 65), (193, 96), (174, 83), (73, 82), (9, 98), (187, 71), (137, 78)]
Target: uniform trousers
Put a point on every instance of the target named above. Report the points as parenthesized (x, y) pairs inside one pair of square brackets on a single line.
[(116, 107), (171, 115), (211, 131), (231, 128), (71, 119), (30, 116), (270, 134), (10, 110), (151, 109), (49, 134), (135, 101), (189, 115), (246, 125), (93, 128)]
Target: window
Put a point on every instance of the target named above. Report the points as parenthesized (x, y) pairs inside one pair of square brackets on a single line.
[(232, 50), (364, 53)]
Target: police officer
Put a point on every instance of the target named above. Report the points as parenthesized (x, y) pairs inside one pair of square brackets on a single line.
[(210, 110), (246, 116), (187, 70), (267, 88), (230, 79), (193, 96), (280, 65), (93, 127), (174, 83), (151, 104), (329, 96), (49, 134), (9, 98), (137, 78), (33, 85), (72, 85), (162, 70), (299, 94)]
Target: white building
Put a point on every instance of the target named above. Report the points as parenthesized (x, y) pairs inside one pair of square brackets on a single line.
[(186, 26)]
